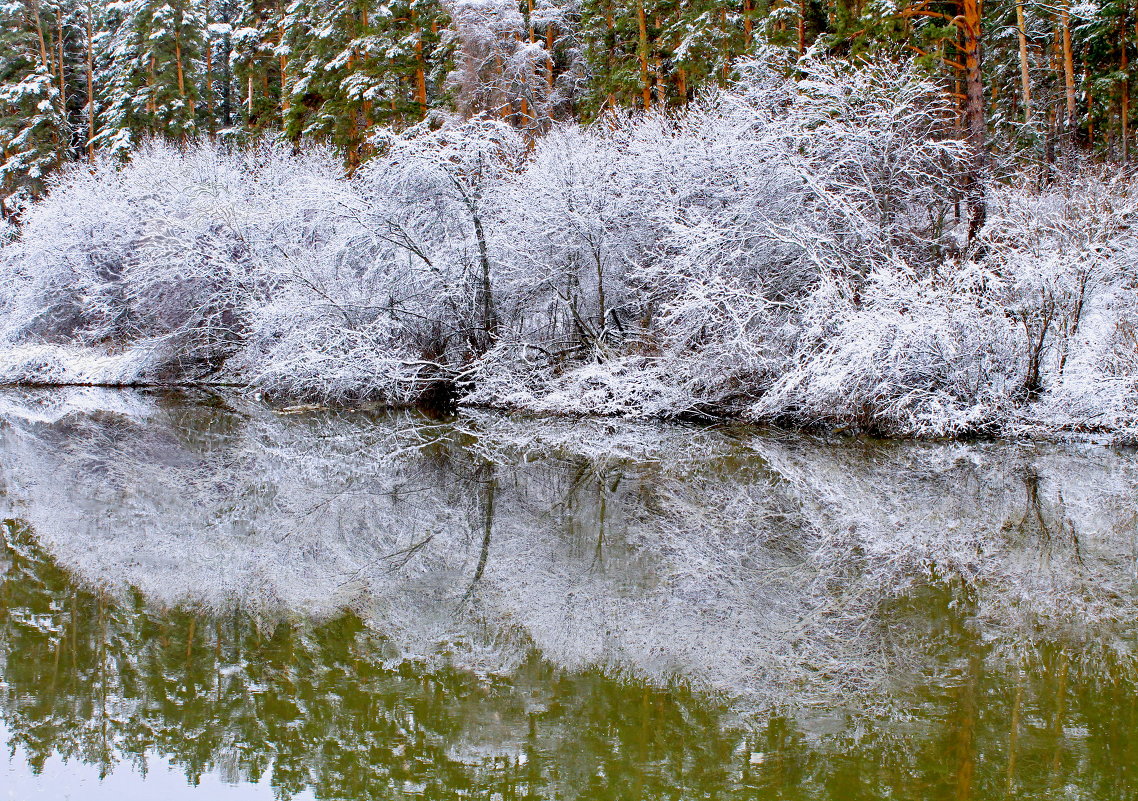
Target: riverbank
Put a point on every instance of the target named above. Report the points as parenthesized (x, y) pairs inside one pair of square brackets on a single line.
[(625, 389)]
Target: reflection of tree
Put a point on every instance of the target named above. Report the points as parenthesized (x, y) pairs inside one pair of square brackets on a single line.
[(321, 704), (617, 579)]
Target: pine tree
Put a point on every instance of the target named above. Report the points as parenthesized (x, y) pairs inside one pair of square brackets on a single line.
[(34, 128), (150, 59), (256, 63), (359, 66)]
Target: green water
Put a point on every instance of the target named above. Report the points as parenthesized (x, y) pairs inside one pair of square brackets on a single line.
[(205, 598)]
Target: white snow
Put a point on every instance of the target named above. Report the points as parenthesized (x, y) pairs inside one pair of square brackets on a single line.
[(783, 251)]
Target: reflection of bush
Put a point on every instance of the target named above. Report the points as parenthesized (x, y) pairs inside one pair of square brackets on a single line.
[(323, 704), (489, 603)]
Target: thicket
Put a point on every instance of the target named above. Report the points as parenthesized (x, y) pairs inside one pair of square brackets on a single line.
[(789, 250)]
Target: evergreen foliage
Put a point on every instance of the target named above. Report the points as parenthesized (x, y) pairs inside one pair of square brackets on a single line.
[(78, 76)]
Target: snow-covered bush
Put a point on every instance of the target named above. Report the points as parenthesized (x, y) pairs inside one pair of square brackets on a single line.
[(925, 356), (165, 255), (784, 249)]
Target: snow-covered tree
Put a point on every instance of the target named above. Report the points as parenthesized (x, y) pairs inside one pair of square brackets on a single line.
[(34, 127)]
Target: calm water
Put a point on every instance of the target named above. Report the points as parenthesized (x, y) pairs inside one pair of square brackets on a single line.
[(204, 598)]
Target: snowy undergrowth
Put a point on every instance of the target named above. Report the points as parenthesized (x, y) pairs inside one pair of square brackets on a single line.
[(57, 365), (784, 251)]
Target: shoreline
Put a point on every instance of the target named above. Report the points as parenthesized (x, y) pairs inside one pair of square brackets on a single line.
[(1011, 432)]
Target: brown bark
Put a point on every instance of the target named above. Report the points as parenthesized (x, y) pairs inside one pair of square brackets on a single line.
[(1025, 77), (642, 54), (47, 61), (723, 27), (1068, 66), (48, 65), (420, 67), (748, 24), (974, 124), (549, 44), (178, 63), (285, 104), (801, 28)]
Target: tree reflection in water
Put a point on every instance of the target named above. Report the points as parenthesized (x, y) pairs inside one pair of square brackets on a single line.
[(388, 606)]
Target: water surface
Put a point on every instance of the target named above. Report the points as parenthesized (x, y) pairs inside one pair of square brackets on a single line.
[(205, 598)]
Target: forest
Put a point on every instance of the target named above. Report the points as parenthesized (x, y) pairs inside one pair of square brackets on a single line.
[(79, 77), (908, 218)]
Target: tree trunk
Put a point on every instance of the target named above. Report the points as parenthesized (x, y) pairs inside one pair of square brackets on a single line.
[(45, 59), (1124, 67), (178, 64), (227, 85), (62, 80), (1024, 74), (151, 101), (658, 74), (974, 124), (723, 28), (208, 88), (642, 54), (1068, 68), (550, 41), (1090, 104), (801, 28), (420, 66), (484, 296), (43, 44), (90, 83), (284, 70)]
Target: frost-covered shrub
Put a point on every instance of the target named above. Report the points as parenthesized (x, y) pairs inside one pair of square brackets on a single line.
[(625, 386), (923, 356), (872, 155), (1064, 256), (167, 254), (785, 249), (62, 364)]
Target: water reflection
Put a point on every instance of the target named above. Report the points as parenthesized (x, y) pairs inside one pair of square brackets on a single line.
[(385, 606)]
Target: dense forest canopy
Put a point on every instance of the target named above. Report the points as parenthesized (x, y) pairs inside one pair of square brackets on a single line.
[(79, 76)]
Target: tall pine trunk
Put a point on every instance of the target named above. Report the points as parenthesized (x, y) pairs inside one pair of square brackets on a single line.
[(974, 123), (801, 28), (420, 67), (642, 54), (1024, 74), (1068, 68), (90, 82), (1124, 67)]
